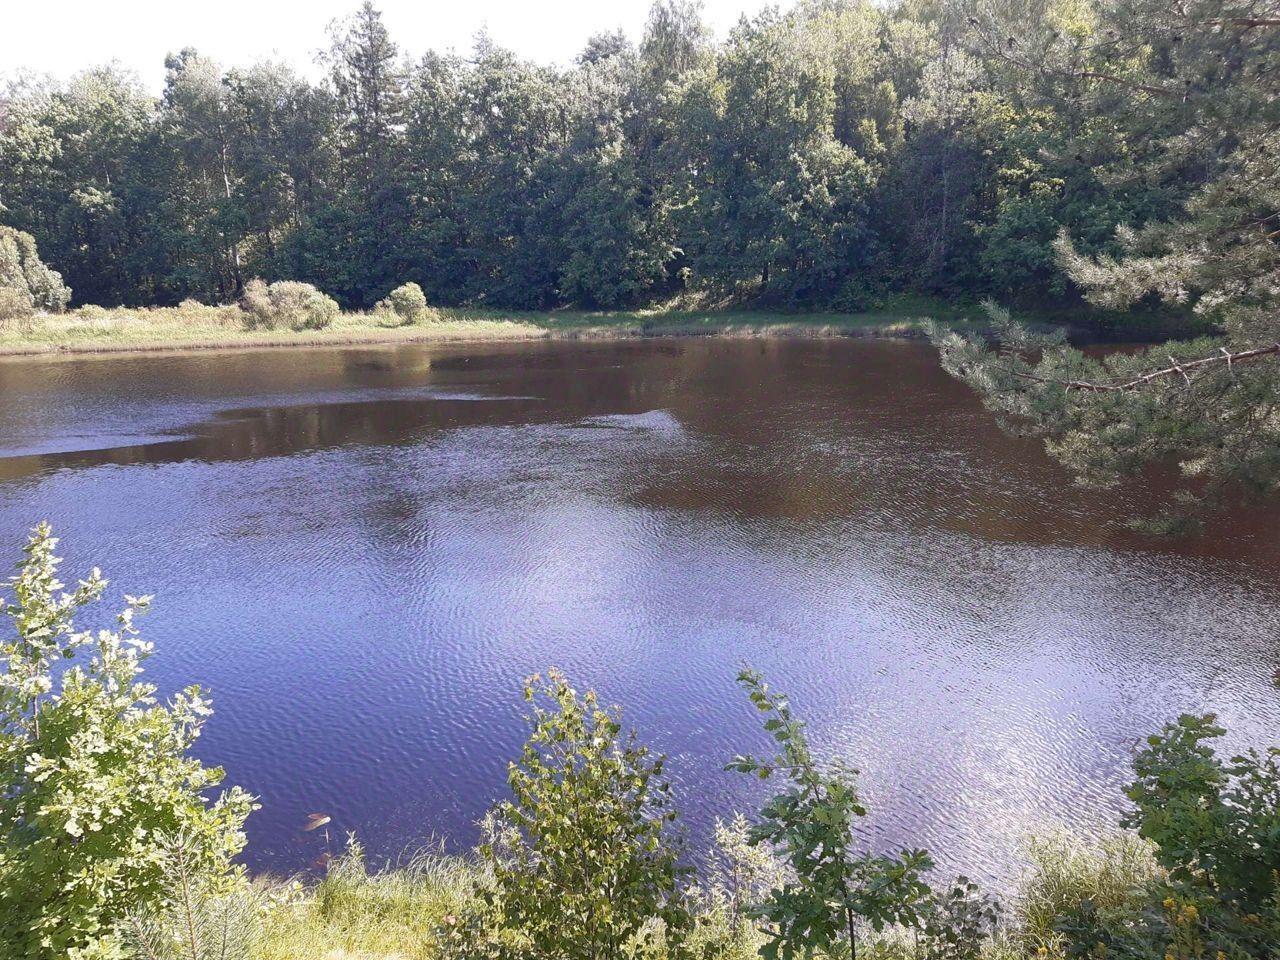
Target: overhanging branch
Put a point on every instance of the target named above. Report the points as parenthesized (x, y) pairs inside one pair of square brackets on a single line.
[(1092, 386), (1121, 81)]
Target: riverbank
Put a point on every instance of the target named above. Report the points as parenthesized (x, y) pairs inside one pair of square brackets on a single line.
[(433, 907), (193, 326), (198, 327)]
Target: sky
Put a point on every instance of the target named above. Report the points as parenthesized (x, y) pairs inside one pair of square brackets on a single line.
[(60, 37)]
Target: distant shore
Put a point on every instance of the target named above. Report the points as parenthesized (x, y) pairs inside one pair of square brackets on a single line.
[(176, 329), (92, 330)]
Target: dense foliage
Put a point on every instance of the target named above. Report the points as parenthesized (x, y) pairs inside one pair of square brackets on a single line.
[(821, 155), (94, 773)]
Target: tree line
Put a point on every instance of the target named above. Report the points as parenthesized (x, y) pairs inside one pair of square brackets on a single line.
[(821, 156)]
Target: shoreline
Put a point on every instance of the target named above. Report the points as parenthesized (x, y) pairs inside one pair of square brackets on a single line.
[(91, 331), (464, 333)]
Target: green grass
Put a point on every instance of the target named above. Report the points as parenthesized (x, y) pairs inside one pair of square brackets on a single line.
[(416, 911), (194, 326), (352, 913)]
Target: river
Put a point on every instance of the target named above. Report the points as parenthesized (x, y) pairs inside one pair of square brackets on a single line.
[(361, 552)]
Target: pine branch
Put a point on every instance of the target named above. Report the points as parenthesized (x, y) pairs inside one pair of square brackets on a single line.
[(1230, 359), (1131, 84), (1004, 51), (1247, 22)]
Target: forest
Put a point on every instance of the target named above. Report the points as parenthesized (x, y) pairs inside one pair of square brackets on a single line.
[(820, 157)]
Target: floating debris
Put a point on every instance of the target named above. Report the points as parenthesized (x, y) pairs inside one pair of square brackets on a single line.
[(315, 821)]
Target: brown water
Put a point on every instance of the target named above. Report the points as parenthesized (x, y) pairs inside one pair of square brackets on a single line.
[(362, 551)]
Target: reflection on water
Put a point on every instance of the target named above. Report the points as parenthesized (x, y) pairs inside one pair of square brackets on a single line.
[(362, 551)]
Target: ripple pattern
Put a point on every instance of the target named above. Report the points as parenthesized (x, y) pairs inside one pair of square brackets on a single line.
[(362, 552)]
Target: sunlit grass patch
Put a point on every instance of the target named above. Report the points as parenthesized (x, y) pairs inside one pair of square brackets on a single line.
[(193, 325), (353, 913), (1065, 872)]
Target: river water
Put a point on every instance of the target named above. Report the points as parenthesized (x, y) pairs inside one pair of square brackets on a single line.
[(361, 553)]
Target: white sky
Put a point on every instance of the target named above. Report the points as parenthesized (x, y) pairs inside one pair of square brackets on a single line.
[(60, 37)]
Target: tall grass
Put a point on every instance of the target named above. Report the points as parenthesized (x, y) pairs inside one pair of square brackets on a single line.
[(405, 913), (1065, 872), (352, 913)]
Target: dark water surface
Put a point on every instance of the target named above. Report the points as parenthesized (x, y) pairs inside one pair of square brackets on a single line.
[(361, 552)]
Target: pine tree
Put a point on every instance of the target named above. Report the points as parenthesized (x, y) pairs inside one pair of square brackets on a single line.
[(1198, 88)]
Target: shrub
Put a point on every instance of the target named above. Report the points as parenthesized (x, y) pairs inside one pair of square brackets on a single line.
[(91, 312), (94, 773), (22, 270), (741, 875), (589, 861), (958, 922), (1214, 826), (287, 304), (199, 917), (16, 310), (834, 889), (255, 301), (407, 302)]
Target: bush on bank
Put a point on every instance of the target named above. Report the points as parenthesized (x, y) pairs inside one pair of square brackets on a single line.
[(286, 304), (407, 302), (97, 788), (112, 846), (27, 285)]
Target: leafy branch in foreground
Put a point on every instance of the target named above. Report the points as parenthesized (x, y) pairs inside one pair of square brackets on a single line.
[(1196, 404), (589, 859), (835, 888), (94, 772)]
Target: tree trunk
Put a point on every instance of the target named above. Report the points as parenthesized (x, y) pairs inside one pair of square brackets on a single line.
[(235, 244)]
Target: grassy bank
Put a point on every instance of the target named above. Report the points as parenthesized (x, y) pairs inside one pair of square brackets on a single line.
[(428, 910), (193, 327)]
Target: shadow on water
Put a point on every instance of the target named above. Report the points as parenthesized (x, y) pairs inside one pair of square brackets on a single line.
[(813, 427)]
